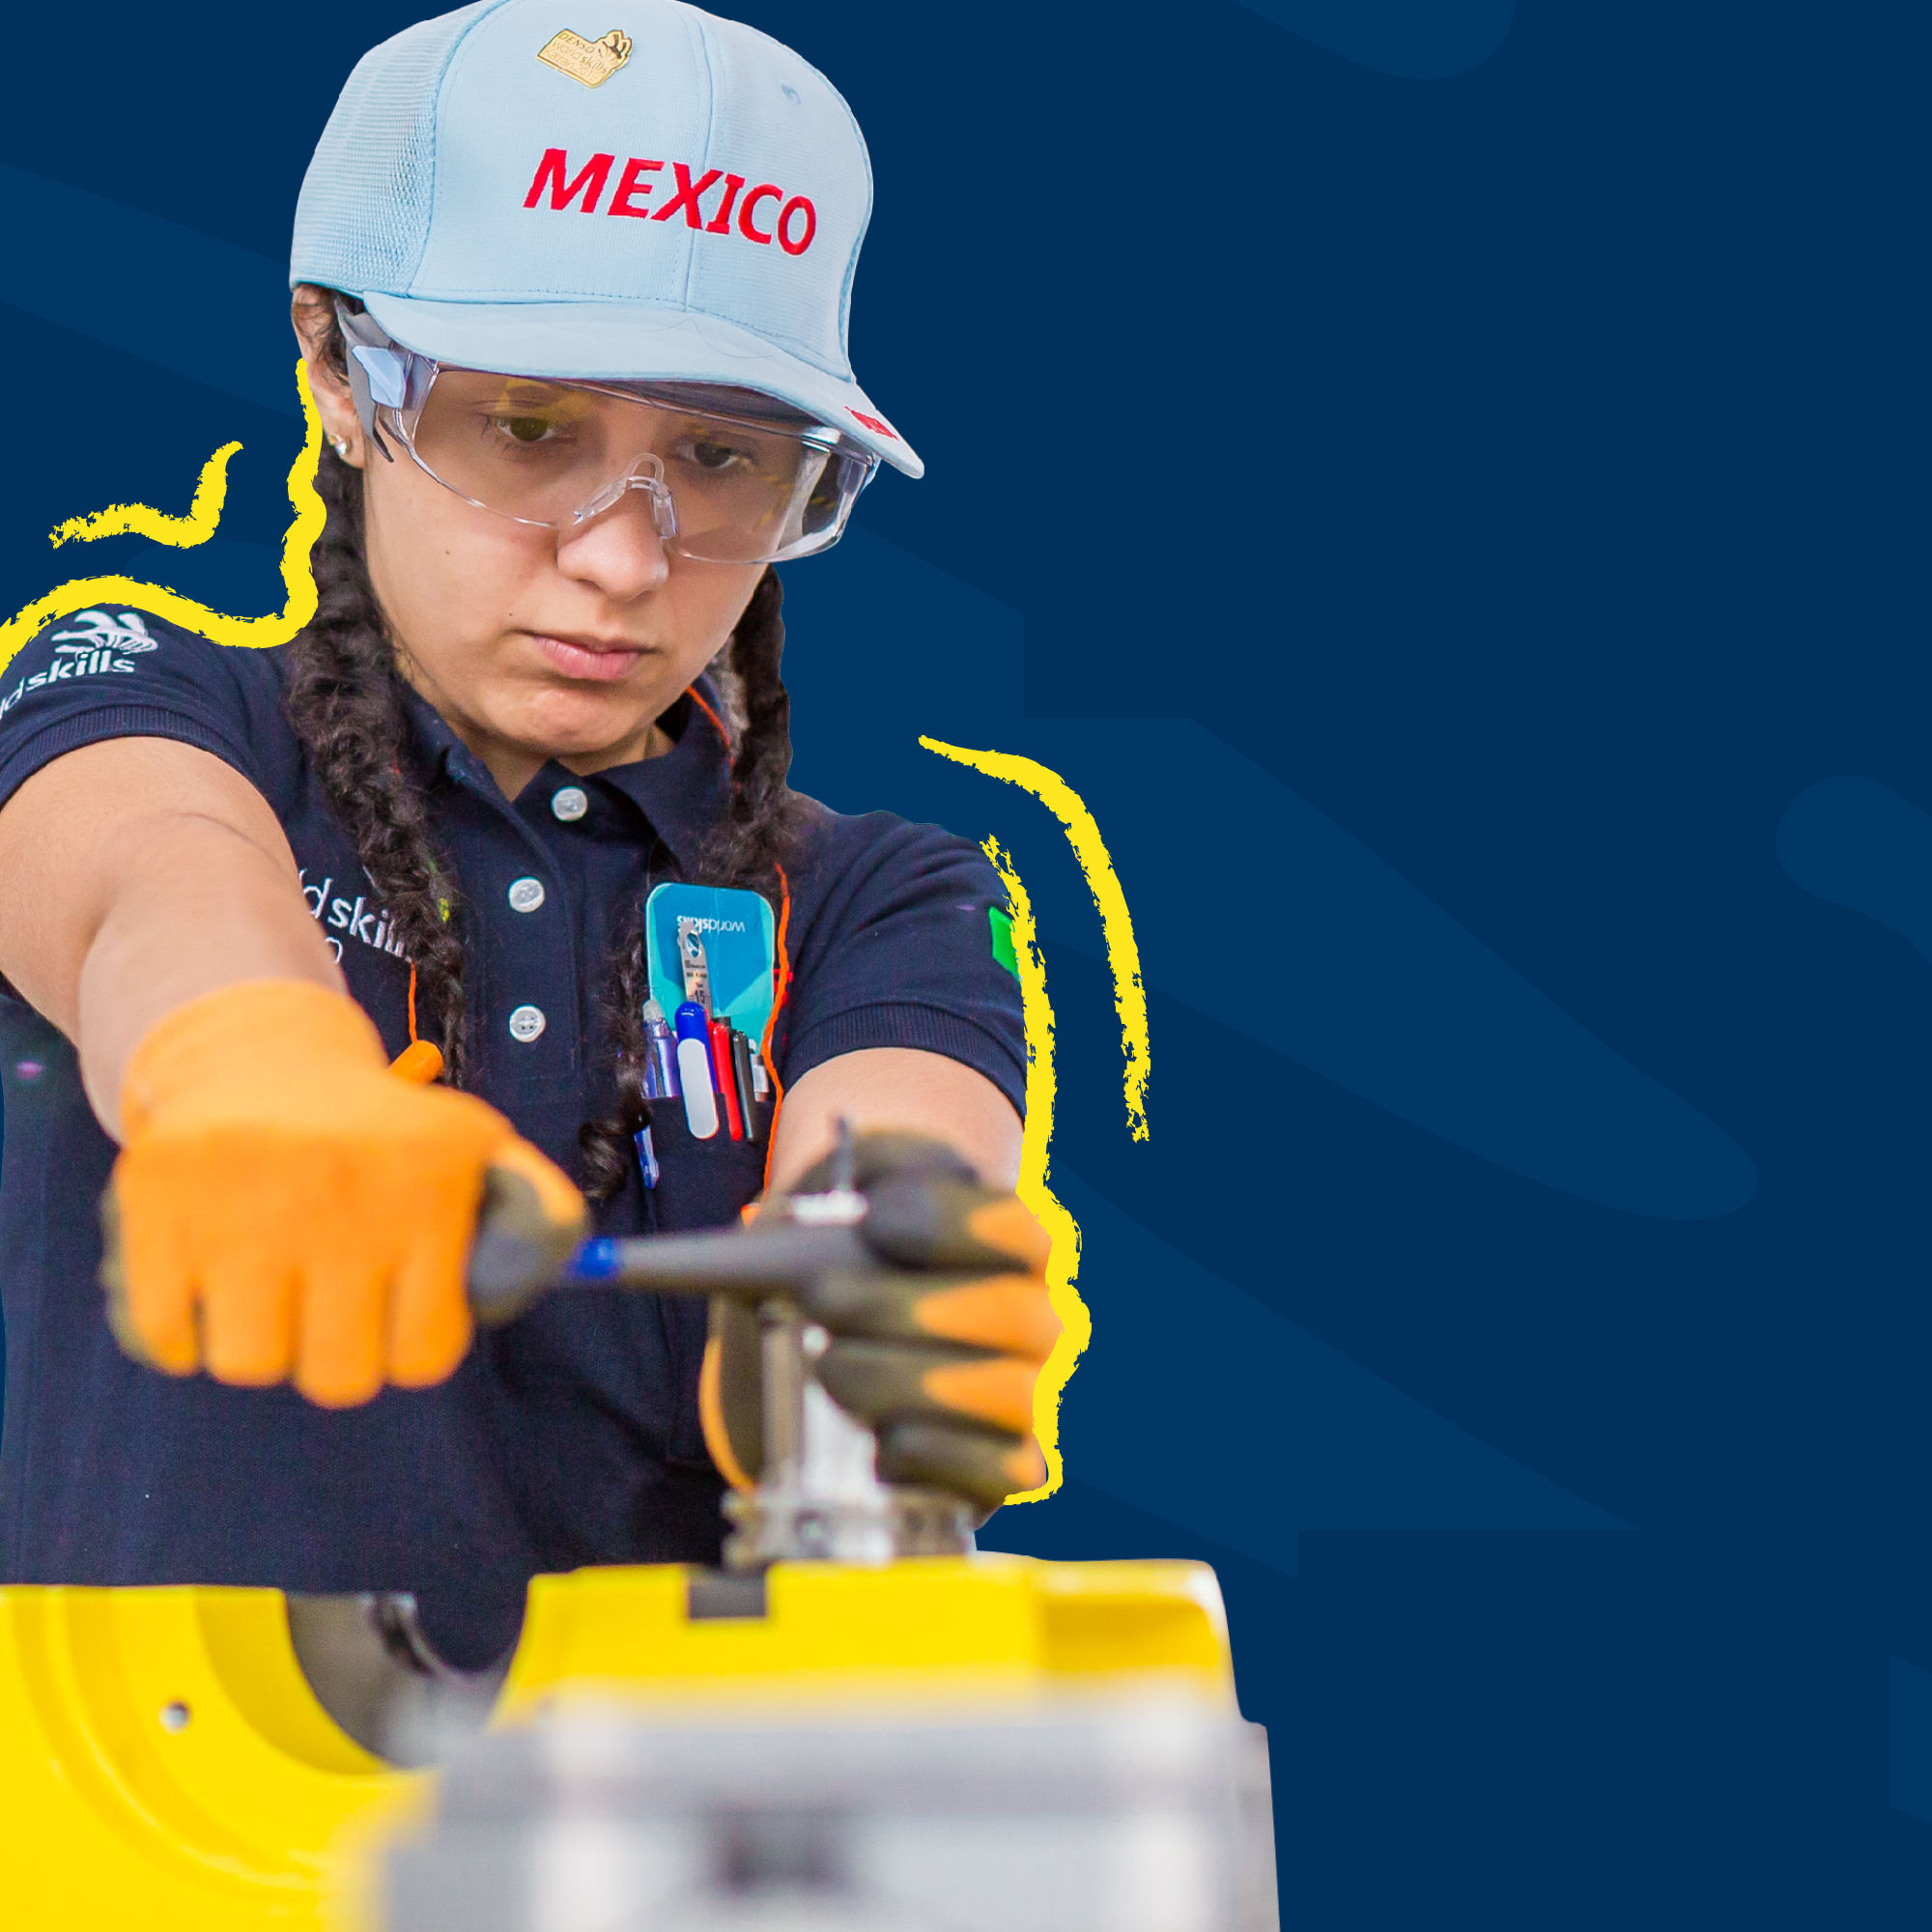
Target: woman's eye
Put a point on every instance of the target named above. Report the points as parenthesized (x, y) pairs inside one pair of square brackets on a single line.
[(525, 430), (715, 457)]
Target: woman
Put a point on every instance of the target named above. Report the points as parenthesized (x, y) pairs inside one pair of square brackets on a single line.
[(579, 399)]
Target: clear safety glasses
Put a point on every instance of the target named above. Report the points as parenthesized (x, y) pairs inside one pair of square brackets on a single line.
[(722, 488)]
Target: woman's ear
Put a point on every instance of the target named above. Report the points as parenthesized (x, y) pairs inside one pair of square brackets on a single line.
[(312, 310)]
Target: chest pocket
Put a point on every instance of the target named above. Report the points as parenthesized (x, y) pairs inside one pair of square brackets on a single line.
[(700, 1183)]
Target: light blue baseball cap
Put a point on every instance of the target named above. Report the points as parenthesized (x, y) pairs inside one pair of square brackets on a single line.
[(679, 199)]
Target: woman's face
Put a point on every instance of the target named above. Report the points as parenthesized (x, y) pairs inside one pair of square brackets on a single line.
[(534, 643)]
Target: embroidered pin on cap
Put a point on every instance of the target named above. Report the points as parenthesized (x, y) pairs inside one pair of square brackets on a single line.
[(592, 61), (700, 221)]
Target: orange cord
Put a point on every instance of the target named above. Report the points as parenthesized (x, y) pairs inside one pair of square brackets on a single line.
[(711, 1414), (412, 1003), (691, 691), (782, 972)]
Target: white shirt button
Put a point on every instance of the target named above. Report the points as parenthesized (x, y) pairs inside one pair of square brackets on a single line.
[(570, 802), (525, 1024), (525, 895)]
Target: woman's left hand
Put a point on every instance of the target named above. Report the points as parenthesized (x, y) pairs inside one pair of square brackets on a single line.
[(938, 1349)]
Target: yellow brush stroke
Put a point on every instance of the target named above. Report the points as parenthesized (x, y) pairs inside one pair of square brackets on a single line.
[(1123, 954), (144, 521), (276, 627), (1064, 1264)]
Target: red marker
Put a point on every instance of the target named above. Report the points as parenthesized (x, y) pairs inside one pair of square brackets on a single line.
[(728, 1086)]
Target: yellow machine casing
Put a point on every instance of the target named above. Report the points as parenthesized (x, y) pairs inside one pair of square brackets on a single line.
[(164, 1764)]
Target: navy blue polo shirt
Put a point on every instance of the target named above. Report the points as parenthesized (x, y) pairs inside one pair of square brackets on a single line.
[(571, 1435)]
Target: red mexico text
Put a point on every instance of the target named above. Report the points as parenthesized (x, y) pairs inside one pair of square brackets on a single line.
[(764, 213)]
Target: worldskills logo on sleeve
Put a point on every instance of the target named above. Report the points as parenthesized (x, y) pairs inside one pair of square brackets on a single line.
[(360, 918), (101, 643), (737, 212)]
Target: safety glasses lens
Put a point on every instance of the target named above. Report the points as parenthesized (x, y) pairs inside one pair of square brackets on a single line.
[(543, 451)]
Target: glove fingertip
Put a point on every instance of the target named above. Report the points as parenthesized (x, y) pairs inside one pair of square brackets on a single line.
[(926, 1222), (1008, 1224), (1026, 1466), (983, 1466), (428, 1338), (152, 1310), (998, 1390), (174, 1355), (431, 1322), (419, 1369), (329, 1390)]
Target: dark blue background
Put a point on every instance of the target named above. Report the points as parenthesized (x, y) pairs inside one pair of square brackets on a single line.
[(1442, 486)]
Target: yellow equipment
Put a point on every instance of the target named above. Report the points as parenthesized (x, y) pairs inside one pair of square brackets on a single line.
[(168, 1760), (165, 1765)]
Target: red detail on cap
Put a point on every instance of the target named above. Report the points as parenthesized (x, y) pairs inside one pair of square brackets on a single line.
[(794, 230), (721, 222), (551, 173), (630, 182), (687, 196), (872, 423), (786, 213), (764, 191)]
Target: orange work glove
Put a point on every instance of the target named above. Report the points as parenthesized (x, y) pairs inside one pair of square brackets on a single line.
[(286, 1208), (937, 1345)]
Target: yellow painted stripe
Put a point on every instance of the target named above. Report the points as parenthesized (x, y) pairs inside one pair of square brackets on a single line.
[(144, 521), (1064, 1263), (276, 627), (1115, 922)]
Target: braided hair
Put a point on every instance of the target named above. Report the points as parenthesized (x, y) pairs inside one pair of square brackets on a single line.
[(746, 848), (346, 700)]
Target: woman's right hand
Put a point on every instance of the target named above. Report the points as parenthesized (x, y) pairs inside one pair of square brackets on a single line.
[(287, 1209)]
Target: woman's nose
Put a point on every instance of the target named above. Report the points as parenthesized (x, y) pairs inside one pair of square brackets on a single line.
[(618, 551)]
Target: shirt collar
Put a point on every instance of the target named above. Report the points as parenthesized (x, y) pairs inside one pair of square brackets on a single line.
[(686, 792), (683, 794)]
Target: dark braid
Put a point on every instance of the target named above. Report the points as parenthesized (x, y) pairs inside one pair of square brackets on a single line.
[(751, 842), (746, 849), (346, 701)]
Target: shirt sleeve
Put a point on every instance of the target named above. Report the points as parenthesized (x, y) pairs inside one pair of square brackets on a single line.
[(117, 673), (903, 945)]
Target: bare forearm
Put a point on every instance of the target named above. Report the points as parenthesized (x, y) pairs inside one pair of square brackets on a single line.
[(211, 911), (136, 875), (893, 1086)]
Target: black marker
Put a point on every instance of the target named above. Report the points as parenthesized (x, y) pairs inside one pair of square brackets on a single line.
[(741, 1067)]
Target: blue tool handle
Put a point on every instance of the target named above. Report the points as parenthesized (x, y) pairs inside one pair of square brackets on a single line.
[(511, 1264)]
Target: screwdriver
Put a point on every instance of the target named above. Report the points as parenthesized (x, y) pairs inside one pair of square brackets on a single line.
[(518, 1255)]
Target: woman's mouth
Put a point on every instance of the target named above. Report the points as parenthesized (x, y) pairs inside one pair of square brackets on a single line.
[(588, 658)]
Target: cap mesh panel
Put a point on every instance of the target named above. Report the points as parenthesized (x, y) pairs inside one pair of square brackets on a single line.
[(363, 218)]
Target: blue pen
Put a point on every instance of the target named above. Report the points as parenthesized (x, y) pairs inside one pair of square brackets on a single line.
[(660, 1081), (695, 1071), (647, 1156)]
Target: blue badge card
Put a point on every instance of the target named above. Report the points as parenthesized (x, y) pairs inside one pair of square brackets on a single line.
[(740, 945)]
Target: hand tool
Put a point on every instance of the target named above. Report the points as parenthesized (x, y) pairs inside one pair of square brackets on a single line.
[(819, 1495)]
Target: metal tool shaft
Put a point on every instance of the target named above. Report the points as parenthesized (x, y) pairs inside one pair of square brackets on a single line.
[(783, 1258), (749, 1263), (819, 1494)]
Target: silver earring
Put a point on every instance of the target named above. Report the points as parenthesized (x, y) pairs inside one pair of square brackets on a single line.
[(340, 445)]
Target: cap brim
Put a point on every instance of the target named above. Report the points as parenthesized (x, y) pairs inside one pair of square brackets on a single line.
[(627, 342)]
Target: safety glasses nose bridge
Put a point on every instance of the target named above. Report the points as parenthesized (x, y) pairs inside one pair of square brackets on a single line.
[(646, 473)]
